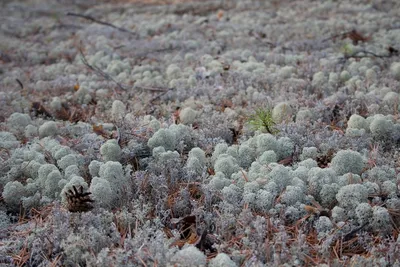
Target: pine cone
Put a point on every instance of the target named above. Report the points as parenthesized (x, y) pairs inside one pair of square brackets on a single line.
[(78, 201), (324, 160)]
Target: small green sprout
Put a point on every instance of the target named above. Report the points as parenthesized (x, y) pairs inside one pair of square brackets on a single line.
[(262, 120), (347, 50)]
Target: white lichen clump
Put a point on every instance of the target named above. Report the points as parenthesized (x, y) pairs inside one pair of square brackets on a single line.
[(48, 128), (350, 196), (226, 164), (19, 121), (381, 128), (188, 256), (111, 151), (12, 193), (281, 112), (8, 140), (395, 70), (348, 161), (102, 193), (118, 110), (196, 162), (187, 115), (163, 137), (357, 122), (222, 260)]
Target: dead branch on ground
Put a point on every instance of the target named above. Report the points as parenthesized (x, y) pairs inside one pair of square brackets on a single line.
[(354, 35), (99, 71), (152, 88), (99, 22)]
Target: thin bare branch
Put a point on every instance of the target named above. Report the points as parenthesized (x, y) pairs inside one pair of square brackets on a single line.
[(369, 53), (152, 88), (157, 96), (99, 22), (99, 71), (354, 35), (364, 53), (353, 233), (20, 83)]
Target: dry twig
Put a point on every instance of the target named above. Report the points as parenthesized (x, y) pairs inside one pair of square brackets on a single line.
[(152, 88), (367, 54), (354, 35), (20, 84), (99, 71), (99, 22)]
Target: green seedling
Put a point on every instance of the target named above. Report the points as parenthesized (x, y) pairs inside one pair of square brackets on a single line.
[(262, 120)]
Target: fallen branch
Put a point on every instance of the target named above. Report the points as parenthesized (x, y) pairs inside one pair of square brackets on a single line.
[(353, 233), (99, 22), (260, 36), (157, 96), (20, 84), (368, 53), (99, 71), (353, 35), (365, 53), (152, 88)]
